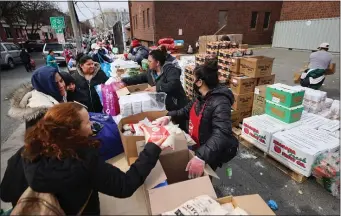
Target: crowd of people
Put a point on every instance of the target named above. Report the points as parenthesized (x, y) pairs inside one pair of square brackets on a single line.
[(60, 157)]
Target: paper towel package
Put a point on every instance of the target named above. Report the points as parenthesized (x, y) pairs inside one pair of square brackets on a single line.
[(298, 148)]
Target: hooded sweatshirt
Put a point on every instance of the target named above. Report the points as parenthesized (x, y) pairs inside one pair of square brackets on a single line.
[(30, 101)]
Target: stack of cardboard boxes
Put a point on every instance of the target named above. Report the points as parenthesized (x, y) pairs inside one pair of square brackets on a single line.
[(200, 59), (253, 71), (214, 47), (189, 80)]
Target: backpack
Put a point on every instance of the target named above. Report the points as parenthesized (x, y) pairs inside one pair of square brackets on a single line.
[(34, 203)]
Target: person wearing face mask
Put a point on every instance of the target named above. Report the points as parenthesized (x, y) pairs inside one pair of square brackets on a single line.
[(30, 101), (60, 157), (163, 76), (209, 118), (88, 75)]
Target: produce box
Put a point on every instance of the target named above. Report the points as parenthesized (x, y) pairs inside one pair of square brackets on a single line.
[(267, 80), (259, 130), (235, 65), (244, 113), (288, 115), (244, 46), (242, 101), (235, 116), (256, 66), (258, 106), (243, 84), (299, 147), (132, 89), (285, 95)]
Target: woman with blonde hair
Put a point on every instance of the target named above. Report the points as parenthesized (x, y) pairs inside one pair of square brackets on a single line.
[(61, 158)]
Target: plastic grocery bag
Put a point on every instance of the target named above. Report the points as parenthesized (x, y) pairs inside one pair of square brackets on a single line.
[(106, 67), (108, 134), (109, 98)]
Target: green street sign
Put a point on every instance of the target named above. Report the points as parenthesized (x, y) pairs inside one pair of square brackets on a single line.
[(57, 22), (59, 31)]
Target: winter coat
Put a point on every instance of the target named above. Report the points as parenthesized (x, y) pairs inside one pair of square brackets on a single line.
[(72, 180), (168, 82), (100, 56), (85, 89), (173, 60), (138, 53), (25, 57), (31, 101), (215, 132)]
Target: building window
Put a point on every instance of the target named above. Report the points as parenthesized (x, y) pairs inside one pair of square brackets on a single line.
[(266, 20), (8, 32), (148, 18), (144, 20), (254, 18), (136, 21), (222, 18)]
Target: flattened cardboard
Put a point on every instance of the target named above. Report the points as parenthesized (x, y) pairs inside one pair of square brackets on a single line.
[(242, 84), (252, 204), (129, 142), (256, 66), (131, 89), (267, 80), (167, 198), (243, 101)]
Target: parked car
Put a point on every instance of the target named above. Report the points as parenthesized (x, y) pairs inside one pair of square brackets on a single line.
[(58, 50), (10, 54), (33, 45)]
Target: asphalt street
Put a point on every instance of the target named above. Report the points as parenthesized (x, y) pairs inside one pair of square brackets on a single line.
[(249, 174)]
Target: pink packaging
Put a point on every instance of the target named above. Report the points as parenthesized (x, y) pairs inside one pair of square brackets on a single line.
[(110, 99)]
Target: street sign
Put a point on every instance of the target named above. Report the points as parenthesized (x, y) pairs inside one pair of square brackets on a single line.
[(57, 22), (59, 31)]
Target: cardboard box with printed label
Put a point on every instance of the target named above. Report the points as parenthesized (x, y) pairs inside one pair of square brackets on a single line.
[(285, 114), (235, 65), (235, 116), (258, 130), (330, 70), (242, 84), (242, 101), (267, 80), (285, 95), (129, 142), (173, 171), (256, 66), (258, 106), (298, 148), (253, 204), (244, 113)]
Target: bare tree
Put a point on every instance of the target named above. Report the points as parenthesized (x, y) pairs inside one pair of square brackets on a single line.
[(11, 11)]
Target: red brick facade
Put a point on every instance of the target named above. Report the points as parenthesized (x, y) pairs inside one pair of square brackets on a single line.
[(302, 10), (202, 18)]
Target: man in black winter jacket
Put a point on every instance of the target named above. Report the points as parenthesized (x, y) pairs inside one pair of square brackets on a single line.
[(209, 118), (137, 52)]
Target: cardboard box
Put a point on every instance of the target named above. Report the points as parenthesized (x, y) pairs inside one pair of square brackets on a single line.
[(235, 116), (298, 148), (287, 96), (297, 77), (267, 80), (330, 70), (244, 113), (131, 89), (256, 66), (129, 142), (242, 101), (288, 115), (168, 197), (252, 204), (244, 46), (235, 65), (258, 106), (242, 84)]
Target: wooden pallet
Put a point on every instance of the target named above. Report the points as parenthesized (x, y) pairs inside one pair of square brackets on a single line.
[(246, 142)]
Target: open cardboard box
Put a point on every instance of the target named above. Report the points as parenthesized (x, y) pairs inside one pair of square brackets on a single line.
[(252, 204), (131, 89), (129, 142), (171, 167)]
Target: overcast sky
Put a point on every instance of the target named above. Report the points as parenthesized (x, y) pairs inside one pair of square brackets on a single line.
[(86, 9)]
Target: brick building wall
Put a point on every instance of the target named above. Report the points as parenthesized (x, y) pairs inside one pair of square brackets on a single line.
[(202, 18), (302, 10)]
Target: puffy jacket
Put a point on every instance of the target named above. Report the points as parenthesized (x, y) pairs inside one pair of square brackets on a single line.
[(217, 144), (168, 82), (71, 180), (139, 53), (85, 89)]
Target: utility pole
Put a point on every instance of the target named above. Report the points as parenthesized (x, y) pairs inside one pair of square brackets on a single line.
[(102, 15), (75, 26)]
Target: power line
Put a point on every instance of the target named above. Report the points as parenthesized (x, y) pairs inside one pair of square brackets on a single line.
[(81, 11)]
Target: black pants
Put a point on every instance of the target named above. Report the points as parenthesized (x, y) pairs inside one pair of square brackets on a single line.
[(27, 66)]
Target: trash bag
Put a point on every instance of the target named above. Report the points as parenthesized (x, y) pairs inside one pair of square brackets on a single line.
[(105, 129)]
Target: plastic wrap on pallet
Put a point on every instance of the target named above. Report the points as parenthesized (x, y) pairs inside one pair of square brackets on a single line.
[(326, 170)]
